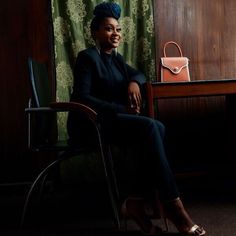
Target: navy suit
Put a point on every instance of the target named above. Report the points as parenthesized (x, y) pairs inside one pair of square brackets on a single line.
[(94, 84), (101, 82)]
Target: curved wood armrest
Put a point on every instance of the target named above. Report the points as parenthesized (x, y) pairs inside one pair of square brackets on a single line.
[(74, 106)]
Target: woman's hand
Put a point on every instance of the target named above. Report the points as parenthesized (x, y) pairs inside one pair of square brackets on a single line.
[(135, 98)]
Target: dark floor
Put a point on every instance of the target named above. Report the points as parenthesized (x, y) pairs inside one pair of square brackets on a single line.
[(72, 210)]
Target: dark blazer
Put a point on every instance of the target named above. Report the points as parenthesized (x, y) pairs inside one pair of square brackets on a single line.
[(95, 87)]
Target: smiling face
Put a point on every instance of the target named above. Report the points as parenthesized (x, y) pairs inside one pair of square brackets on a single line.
[(108, 35)]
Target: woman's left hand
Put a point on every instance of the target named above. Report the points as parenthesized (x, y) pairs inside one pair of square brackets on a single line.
[(134, 94)]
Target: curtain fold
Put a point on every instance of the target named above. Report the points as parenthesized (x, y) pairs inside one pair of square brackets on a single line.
[(71, 23)]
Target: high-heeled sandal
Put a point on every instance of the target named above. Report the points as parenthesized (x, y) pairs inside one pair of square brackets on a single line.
[(196, 230), (176, 213), (133, 208)]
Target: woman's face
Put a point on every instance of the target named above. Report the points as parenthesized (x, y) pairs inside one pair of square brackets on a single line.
[(108, 35)]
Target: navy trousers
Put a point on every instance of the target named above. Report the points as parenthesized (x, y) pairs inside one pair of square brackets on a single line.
[(146, 136)]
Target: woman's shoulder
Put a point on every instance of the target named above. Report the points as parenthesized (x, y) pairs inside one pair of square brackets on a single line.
[(87, 56), (89, 52)]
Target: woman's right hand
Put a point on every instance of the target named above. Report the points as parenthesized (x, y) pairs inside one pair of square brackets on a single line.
[(135, 98), (133, 110)]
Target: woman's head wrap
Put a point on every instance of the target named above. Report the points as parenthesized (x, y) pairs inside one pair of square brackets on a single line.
[(102, 10), (107, 9)]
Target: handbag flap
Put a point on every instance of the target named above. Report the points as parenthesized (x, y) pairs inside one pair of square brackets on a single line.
[(174, 64)]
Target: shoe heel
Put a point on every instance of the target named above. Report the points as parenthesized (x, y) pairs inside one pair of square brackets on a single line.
[(143, 222), (124, 216), (166, 223)]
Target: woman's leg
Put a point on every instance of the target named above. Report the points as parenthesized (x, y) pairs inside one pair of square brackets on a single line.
[(147, 133)]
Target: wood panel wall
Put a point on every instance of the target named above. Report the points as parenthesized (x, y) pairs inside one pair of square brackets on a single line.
[(24, 31), (206, 32)]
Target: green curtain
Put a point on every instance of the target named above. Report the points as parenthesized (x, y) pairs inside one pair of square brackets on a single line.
[(71, 23)]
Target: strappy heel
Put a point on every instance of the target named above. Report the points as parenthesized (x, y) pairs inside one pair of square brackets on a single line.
[(133, 208), (196, 230), (174, 211)]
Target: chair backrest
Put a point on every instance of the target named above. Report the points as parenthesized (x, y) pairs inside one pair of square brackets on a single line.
[(45, 131), (38, 74)]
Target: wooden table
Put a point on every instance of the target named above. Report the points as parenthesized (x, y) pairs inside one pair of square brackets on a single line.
[(160, 90), (226, 88)]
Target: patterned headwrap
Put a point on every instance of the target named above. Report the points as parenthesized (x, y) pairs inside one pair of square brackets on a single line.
[(105, 9)]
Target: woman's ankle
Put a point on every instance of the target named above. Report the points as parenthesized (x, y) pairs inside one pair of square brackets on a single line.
[(176, 213)]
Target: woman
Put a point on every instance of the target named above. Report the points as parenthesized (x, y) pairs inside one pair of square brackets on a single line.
[(103, 81)]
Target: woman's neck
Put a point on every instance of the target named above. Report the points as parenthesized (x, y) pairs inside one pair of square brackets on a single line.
[(107, 51)]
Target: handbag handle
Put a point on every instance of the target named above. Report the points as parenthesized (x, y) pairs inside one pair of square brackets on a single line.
[(176, 44)]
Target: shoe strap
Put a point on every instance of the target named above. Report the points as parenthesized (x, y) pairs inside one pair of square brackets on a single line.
[(196, 230)]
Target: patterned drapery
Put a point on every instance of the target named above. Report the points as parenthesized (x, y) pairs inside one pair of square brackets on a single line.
[(71, 22)]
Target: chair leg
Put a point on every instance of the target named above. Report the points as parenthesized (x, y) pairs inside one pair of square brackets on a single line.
[(33, 186), (42, 175), (43, 182), (111, 164), (111, 181), (107, 159), (111, 193)]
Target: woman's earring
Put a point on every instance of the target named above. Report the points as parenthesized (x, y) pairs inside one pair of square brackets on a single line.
[(116, 51), (98, 45)]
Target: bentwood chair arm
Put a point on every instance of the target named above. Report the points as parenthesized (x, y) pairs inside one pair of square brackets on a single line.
[(56, 107), (74, 106)]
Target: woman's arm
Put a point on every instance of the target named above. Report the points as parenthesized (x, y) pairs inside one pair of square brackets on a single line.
[(137, 79)]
